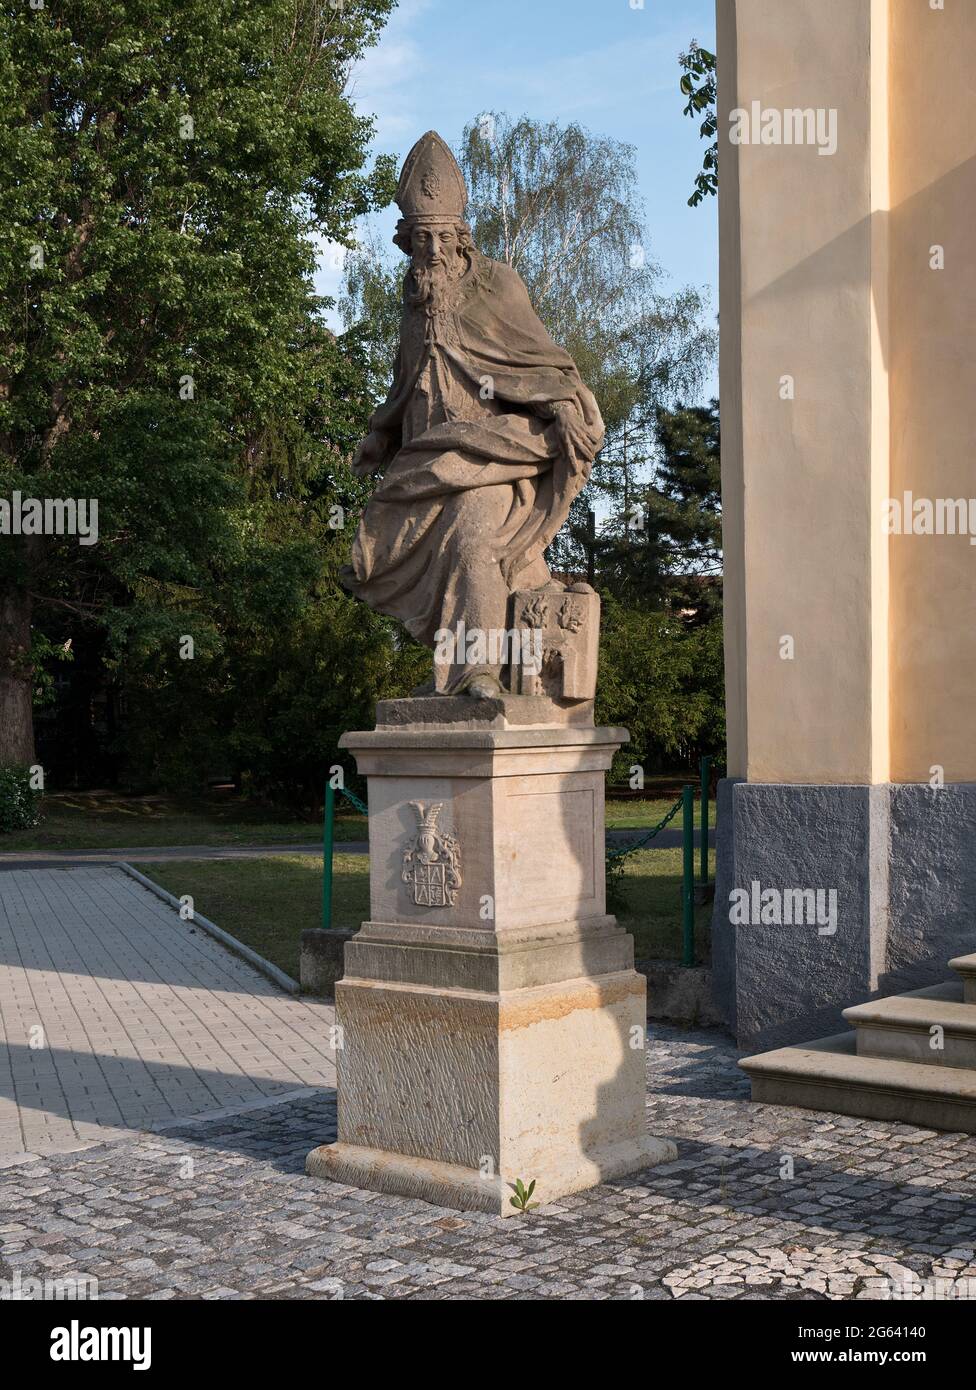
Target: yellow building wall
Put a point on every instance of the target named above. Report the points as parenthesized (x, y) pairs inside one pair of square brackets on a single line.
[(825, 279), (933, 384)]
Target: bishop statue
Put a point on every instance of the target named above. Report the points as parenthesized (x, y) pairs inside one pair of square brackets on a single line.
[(485, 438)]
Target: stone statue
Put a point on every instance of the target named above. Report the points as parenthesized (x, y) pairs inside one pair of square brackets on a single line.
[(487, 435), (490, 1004)]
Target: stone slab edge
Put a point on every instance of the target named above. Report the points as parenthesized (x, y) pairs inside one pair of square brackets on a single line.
[(467, 1189), (265, 966), (443, 737)]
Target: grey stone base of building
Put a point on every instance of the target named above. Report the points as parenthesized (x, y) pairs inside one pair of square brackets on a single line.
[(899, 861)]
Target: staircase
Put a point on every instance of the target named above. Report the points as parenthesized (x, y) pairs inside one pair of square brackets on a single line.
[(895, 1065)]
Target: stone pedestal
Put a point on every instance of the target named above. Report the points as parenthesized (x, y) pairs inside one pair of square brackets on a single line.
[(492, 1021)]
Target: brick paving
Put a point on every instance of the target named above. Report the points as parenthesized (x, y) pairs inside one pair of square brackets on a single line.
[(116, 1016), (762, 1202)]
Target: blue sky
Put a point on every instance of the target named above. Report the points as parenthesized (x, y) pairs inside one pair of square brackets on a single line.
[(611, 67)]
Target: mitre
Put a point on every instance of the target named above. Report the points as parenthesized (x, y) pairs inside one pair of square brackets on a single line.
[(431, 187)]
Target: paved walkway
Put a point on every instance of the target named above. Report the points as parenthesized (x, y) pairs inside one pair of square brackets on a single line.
[(121, 1022), (115, 1016), (159, 854), (762, 1202)]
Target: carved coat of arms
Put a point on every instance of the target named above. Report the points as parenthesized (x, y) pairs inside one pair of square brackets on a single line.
[(432, 860), (565, 626)]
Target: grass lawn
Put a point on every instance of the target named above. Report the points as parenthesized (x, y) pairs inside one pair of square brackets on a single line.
[(266, 903), (104, 820), (109, 821), (641, 815), (649, 904)]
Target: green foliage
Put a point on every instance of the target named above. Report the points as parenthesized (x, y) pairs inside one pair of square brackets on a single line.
[(370, 307), (521, 1201), (45, 657), (660, 573), (662, 679), (161, 347), (664, 544), (285, 660), (699, 85), (296, 691), (19, 803)]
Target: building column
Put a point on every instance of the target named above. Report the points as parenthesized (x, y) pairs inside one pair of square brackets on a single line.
[(847, 142)]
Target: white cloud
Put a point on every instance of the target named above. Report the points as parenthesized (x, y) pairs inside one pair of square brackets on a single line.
[(386, 82)]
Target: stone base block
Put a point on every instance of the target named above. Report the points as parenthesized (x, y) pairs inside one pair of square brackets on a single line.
[(504, 711), (450, 1185), (679, 994), (452, 1095), (321, 960)]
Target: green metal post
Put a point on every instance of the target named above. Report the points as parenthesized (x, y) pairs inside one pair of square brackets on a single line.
[(688, 876), (327, 832), (706, 778)]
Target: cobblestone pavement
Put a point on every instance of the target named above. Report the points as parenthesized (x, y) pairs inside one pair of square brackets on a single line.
[(762, 1202), (116, 1016)]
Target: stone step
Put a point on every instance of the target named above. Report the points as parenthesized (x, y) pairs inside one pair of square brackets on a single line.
[(830, 1075), (966, 967), (901, 1027)]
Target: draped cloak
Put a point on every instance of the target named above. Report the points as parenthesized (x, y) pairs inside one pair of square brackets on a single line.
[(475, 479)]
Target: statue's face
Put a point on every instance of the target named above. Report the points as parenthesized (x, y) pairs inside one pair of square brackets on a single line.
[(434, 246)]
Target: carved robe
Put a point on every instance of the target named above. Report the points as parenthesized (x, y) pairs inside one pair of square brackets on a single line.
[(475, 481)]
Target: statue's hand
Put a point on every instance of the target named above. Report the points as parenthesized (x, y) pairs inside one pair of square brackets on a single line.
[(573, 435), (370, 455)]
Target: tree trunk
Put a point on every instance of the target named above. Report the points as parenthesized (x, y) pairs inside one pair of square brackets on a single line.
[(16, 683)]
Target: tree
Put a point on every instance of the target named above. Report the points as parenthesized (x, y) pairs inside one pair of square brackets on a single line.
[(660, 567), (662, 680), (284, 658), (699, 83), (160, 343), (370, 306), (665, 548)]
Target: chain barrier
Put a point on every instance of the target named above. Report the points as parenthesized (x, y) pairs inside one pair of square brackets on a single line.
[(613, 854)]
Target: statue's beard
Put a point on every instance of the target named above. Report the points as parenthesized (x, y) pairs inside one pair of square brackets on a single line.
[(431, 284)]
